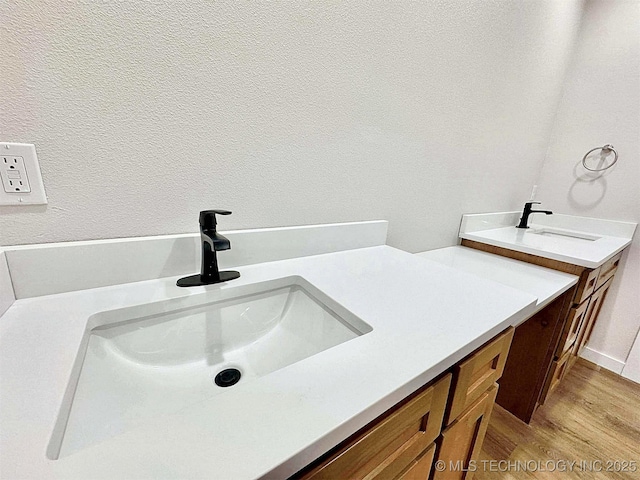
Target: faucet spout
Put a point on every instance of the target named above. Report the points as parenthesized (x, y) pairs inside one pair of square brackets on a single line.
[(216, 241)]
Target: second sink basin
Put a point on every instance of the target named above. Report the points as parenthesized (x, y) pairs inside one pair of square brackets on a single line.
[(567, 234), (140, 362)]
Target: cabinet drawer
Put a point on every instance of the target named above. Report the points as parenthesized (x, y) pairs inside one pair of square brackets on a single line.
[(608, 270), (586, 285), (386, 448), (462, 440), (477, 373), (408, 454), (571, 328), (555, 375)]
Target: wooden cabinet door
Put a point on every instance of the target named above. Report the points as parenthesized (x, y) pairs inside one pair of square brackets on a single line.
[(572, 328), (556, 374), (595, 304), (462, 440)]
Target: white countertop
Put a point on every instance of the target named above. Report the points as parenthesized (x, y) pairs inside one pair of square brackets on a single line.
[(544, 283), (583, 241), (425, 317)]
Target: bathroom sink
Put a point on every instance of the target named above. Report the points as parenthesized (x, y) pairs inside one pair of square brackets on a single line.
[(567, 234), (140, 362)]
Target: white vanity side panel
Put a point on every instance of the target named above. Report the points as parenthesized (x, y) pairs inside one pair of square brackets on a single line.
[(477, 222), (271, 244), (63, 267), (7, 296)]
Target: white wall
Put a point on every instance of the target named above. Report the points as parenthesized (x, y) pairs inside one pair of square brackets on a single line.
[(144, 113), (600, 105)]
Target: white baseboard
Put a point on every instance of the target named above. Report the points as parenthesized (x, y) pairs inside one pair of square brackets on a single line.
[(605, 361), (632, 367), (631, 374)]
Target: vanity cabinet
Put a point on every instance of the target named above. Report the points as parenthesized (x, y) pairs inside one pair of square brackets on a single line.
[(595, 304), (546, 346), (393, 442), (445, 419), (531, 356), (572, 328), (558, 370)]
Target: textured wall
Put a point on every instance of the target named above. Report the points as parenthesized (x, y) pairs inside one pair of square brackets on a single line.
[(287, 113), (601, 104)]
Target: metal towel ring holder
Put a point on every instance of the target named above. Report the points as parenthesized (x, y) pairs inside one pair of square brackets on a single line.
[(607, 148)]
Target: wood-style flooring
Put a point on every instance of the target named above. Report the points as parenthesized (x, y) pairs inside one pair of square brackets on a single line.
[(592, 417)]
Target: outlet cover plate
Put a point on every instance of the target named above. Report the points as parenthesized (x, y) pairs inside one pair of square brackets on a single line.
[(22, 156)]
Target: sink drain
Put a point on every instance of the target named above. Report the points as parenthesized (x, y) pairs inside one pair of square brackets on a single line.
[(228, 377)]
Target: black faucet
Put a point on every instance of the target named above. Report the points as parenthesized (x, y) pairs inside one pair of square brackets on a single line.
[(212, 242), (524, 220)]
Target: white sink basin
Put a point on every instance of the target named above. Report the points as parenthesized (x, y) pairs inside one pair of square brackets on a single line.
[(568, 234), (141, 362)]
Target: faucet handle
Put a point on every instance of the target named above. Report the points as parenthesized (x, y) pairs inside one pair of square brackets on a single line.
[(208, 217)]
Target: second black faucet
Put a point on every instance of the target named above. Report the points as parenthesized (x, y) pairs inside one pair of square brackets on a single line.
[(524, 220)]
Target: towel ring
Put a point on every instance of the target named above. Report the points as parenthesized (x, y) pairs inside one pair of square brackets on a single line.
[(606, 148)]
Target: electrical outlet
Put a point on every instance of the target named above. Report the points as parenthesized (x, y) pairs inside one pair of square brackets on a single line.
[(14, 174), (20, 174)]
